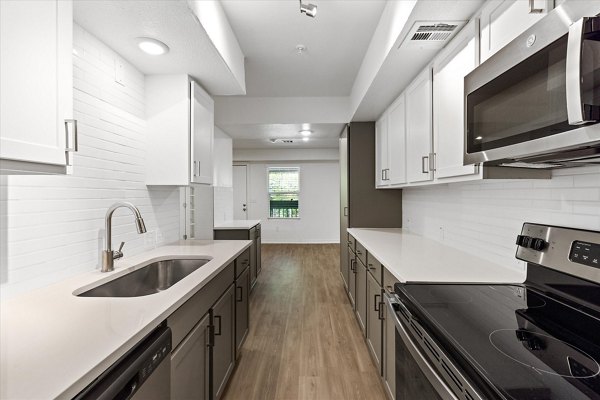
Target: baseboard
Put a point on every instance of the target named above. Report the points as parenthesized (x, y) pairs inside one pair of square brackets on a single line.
[(305, 242)]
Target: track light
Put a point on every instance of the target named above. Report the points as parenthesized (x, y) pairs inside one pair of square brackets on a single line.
[(308, 9)]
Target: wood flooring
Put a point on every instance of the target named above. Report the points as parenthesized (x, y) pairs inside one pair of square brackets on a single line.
[(304, 341)]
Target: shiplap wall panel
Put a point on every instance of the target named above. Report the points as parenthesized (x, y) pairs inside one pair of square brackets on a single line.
[(53, 226), (484, 218)]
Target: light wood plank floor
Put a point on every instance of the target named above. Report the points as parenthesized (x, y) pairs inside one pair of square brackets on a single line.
[(304, 342)]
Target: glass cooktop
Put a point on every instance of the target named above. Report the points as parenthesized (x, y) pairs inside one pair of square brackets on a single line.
[(518, 342)]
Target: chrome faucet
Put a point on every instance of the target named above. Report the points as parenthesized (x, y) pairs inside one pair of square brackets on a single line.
[(108, 255)]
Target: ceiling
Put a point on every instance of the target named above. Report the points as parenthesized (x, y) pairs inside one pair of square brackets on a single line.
[(118, 23), (336, 41), (279, 82), (257, 136)]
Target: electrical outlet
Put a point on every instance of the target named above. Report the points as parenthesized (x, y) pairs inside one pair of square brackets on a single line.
[(150, 238)]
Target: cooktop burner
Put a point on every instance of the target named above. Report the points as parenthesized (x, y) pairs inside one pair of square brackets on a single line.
[(519, 339), (545, 354)]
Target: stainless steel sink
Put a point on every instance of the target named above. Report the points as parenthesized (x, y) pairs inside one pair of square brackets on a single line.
[(153, 278)]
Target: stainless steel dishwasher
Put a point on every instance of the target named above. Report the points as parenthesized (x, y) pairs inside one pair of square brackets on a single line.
[(144, 373)]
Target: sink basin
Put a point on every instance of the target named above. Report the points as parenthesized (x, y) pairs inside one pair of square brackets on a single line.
[(152, 278)]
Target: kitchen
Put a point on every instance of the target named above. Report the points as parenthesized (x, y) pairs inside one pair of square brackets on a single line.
[(333, 187)]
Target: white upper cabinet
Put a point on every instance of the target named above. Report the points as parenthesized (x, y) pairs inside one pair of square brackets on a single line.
[(504, 20), (419, 147), (397, 142), (381, 150), (202, 134), (36, 86), (390, 142), (449, 69), (180, 121)]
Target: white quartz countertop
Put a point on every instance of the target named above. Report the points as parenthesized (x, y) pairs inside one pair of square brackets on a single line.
[(237, 224), (53, 343), (413, 258)]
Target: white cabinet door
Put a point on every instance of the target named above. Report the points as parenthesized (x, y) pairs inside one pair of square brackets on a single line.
[(418, 128), (448, 105), (180, 131), (36, 80), (504, 20), (202, 135), (397, 142), (381, 150)]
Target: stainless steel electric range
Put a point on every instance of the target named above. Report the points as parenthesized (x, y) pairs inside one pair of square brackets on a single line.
[(536, 341)]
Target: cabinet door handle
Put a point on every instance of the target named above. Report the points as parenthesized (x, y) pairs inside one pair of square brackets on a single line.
[(381, 310), (241, 294), (199, 163), (194, 169), (353, 266), (423, 164), (376, 303), (533, 10), (219, 333), (345, 211), (383, 174), (387, 176), (72, 140)]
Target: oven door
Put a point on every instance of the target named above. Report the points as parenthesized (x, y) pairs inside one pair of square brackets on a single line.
[(539, 94), (415, 377)]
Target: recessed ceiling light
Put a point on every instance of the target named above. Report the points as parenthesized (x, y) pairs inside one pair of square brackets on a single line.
[(478, 138), (305, 132), (305, 139), (152, 46)]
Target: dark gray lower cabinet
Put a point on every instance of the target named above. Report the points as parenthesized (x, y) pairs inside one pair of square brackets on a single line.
[(352, 276), (204, 334), (374, 309), (242, 290), (223, 352), (361, 293), (253, 234), (190, 364), (258, 242)]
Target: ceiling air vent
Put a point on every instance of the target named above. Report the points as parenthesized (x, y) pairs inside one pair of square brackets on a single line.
[(284, 141), (431, 34)]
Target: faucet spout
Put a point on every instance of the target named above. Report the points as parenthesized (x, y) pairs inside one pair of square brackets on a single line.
[(108, 255)]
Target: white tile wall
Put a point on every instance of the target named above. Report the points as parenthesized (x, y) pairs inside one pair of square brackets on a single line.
[(485, 217), (53, 226)]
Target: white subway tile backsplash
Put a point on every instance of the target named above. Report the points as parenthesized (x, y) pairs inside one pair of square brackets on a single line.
[(484, 217), (53, 226)]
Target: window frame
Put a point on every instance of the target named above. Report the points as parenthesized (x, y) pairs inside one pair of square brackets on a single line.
[(296, 167)]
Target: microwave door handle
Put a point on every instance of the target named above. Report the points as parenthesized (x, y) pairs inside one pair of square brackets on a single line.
[(575, 105)]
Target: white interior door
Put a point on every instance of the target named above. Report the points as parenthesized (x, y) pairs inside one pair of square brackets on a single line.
[(240, 204)]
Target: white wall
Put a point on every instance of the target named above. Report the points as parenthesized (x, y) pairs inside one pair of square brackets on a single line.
[(319, 201), (286, 155), (484, 218), (223, 176), (53, 226)]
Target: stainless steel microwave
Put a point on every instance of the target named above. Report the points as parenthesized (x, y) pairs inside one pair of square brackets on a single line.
[(536, 102)]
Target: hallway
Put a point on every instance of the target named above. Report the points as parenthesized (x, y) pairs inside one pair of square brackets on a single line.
[(304, 341)]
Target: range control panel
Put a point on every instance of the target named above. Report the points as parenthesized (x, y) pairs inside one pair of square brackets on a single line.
[(585, 253), (573, 251)]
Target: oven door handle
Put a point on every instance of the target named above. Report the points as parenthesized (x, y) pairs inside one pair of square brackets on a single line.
[(577, 111), (432, 376)]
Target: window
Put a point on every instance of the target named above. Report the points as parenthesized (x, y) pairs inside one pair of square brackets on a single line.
[(284, 191)]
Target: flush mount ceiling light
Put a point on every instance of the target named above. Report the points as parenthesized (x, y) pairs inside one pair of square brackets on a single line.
[(308, 9), (305, 139), (152, 46), (305, 132)]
